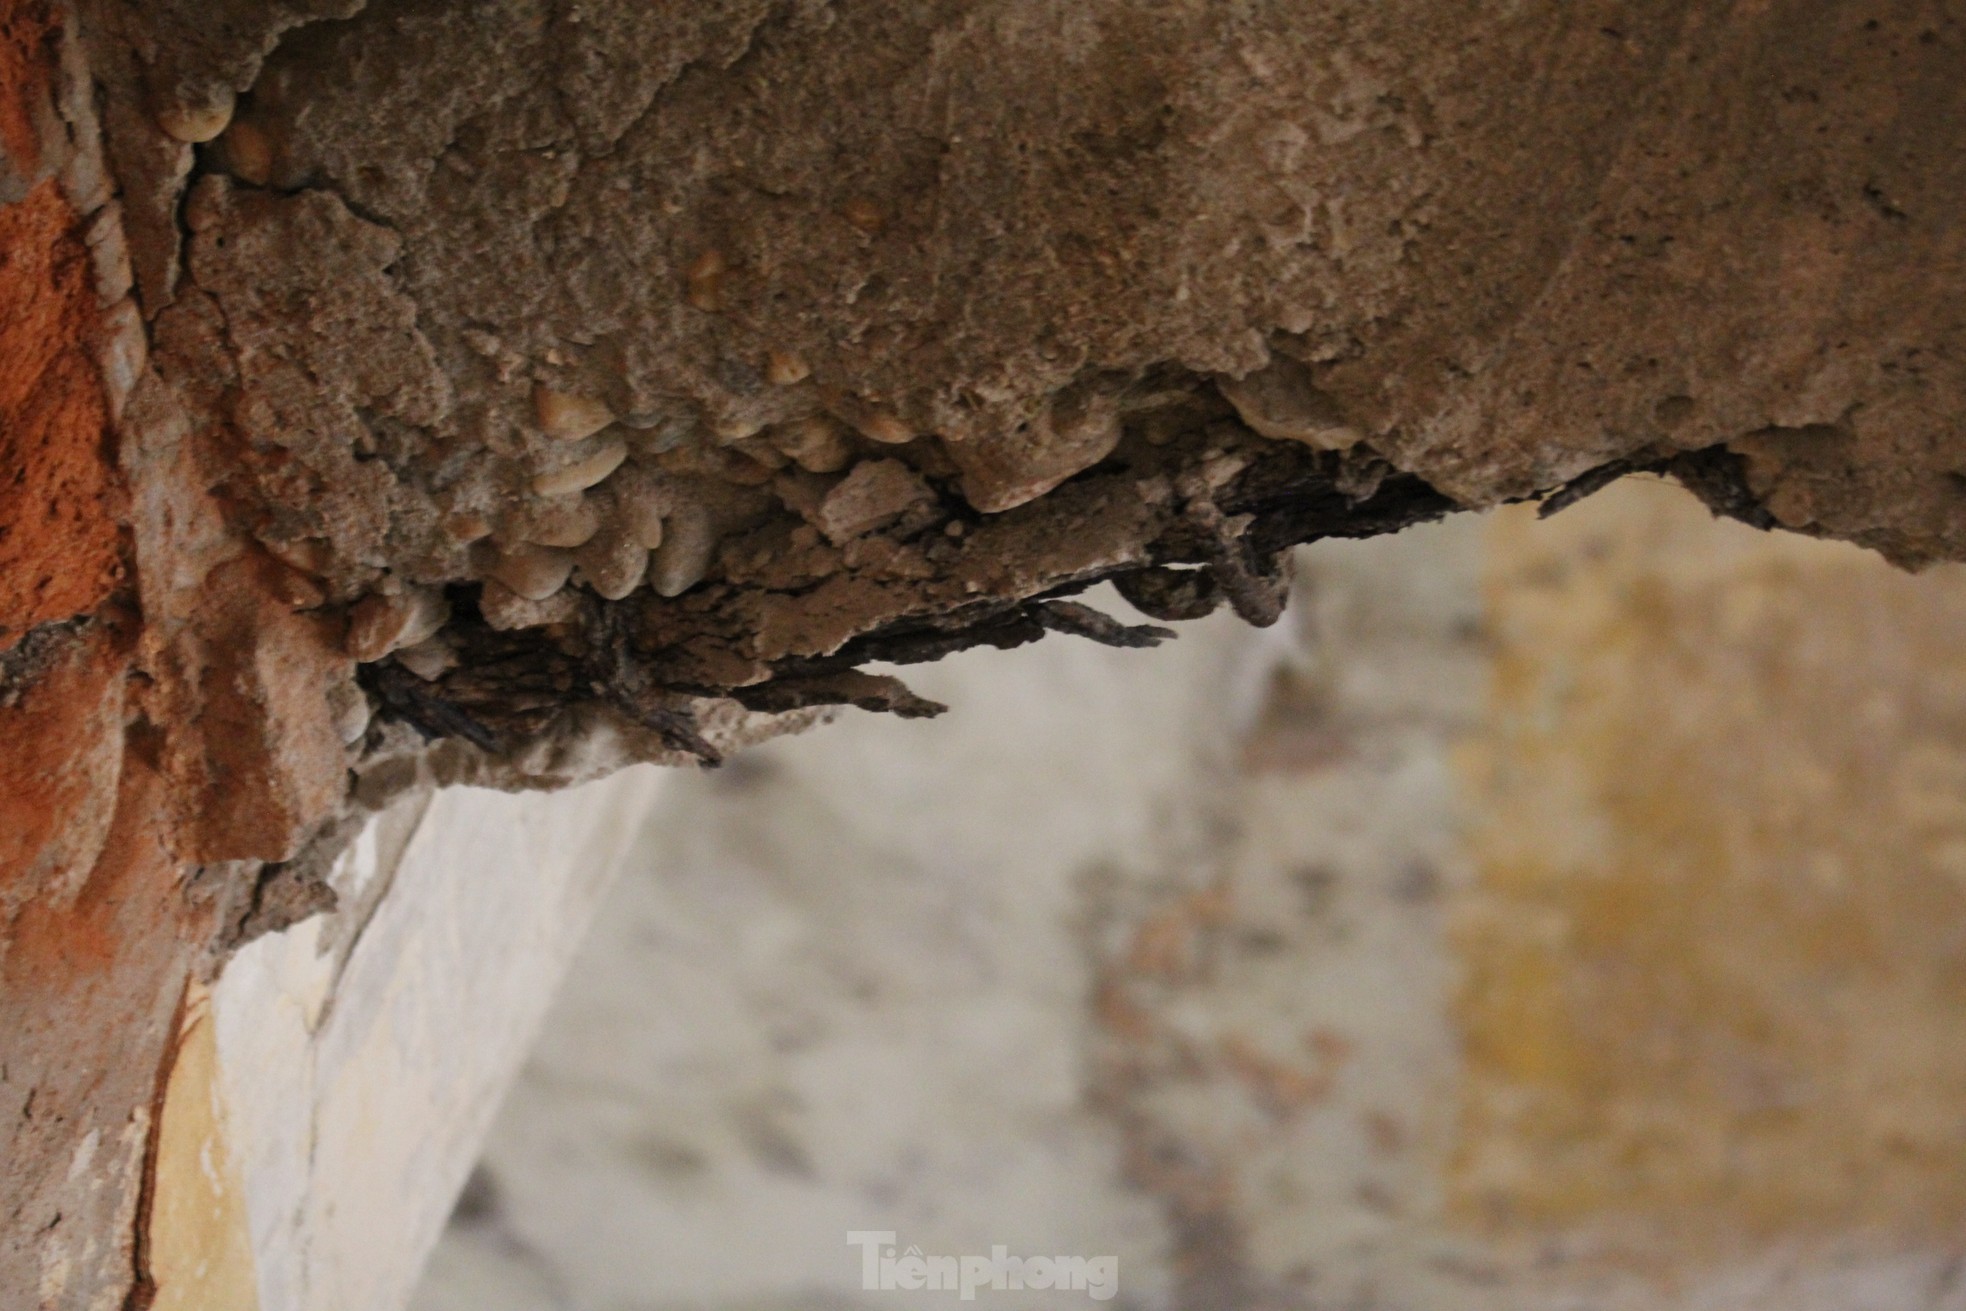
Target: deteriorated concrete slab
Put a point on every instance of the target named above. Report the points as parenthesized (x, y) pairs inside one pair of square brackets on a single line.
[(550, 341), (503, 392)]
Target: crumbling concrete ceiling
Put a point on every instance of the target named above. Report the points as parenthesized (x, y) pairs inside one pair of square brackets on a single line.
[(621, 355), (632, 353)]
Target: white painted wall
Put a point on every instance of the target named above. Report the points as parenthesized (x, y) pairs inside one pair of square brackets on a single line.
[(363, 1054)]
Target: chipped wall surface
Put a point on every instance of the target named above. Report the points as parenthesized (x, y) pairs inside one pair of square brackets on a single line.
[(199, 1237), (364, 1054), (1565, 923), (329, 1094)]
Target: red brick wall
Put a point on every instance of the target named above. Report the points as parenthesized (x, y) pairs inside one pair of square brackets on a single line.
[(60, 506), (97, 931)]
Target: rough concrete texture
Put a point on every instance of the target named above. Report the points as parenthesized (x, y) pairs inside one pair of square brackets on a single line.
[(506, 392), (552, 339), (1419, 954), (582, 366)]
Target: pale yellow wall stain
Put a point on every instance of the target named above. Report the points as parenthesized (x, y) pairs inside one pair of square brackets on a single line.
[(1716, 953), (200, 1252)]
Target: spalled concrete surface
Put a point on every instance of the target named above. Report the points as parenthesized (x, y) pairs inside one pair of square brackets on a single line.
[(606, 308), (647, 209)]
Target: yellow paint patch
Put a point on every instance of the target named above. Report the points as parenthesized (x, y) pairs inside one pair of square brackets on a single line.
[(1715, 962), (200, 1254)]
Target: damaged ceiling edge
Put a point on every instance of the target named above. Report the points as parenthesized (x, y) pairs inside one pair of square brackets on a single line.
[(562, 410)]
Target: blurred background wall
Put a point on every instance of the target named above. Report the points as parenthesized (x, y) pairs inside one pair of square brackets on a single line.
[(1564, 914)]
